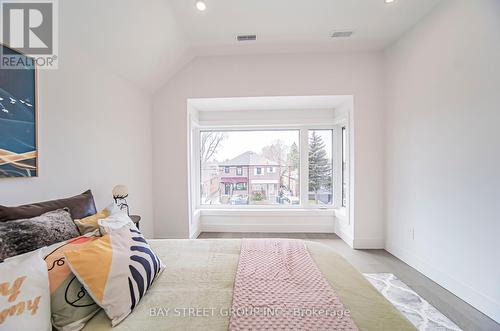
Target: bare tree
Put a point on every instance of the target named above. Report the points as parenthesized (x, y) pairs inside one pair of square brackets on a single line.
[(277, 152), (210, 142)]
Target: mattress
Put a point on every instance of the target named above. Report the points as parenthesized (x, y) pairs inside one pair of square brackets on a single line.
[(195, 290)]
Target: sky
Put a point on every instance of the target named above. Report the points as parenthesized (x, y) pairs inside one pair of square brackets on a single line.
[(239, 142)]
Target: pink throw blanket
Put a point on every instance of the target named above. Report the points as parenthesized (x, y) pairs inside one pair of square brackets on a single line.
[(279, 287)]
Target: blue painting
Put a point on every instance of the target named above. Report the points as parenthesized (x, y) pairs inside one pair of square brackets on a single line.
[(18, 116)]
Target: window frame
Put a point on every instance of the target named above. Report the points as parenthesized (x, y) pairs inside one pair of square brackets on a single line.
[(245, 186), (239, 171), (256, 171), (303, 131), (343, 166)]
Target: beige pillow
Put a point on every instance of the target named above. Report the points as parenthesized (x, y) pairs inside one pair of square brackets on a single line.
[(89, 223), (24, 293)]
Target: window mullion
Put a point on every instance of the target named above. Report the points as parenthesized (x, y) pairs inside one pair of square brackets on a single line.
[(304, 167), (336, 163), (196, 159)]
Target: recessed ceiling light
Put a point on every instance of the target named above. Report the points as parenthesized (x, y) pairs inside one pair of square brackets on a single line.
[(389, 1), (201, 5)]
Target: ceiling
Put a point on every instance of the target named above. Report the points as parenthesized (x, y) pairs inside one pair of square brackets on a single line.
[(296, 25), (147, 41)]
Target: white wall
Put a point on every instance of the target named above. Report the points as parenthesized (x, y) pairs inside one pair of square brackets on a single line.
[(443, 150), (270, 75), (94, 132)]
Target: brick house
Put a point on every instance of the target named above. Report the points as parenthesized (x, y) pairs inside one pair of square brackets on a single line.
[(249, 176)]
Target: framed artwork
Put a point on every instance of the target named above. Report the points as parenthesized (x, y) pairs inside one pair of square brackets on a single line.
[(18, 120)]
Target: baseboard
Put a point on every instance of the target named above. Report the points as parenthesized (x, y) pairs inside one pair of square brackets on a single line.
[(195, 233), (480, 301), (368, 243), (195, 228), (344, 235), (267, 224)]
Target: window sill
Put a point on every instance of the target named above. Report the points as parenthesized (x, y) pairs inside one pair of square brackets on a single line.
[(288, 212)]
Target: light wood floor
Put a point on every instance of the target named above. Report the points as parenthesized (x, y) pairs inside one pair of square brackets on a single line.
[(374, 261)]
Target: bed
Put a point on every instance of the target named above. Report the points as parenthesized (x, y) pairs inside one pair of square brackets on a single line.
[(200, 275), (195, 290)]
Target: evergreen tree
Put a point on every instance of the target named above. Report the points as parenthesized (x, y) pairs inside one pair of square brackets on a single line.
[(320, 172), (293, 157)]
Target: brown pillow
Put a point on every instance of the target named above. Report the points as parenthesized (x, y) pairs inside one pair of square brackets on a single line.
[(25, 235), (80, 206)]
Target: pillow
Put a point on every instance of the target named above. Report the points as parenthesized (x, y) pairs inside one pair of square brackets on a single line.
[(21, 236), (24, 293), (114, 222), (89, 223), (116, 270), (70, 304), (80, 206)]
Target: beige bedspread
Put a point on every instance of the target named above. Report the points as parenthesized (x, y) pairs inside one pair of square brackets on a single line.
[(195, 290)]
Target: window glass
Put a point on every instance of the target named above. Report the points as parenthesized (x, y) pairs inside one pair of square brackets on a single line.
[(241, 186), (245, 167), (320, 167)]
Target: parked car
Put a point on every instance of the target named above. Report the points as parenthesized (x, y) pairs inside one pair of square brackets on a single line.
[(290, 200), (286, 197), (238, 200)]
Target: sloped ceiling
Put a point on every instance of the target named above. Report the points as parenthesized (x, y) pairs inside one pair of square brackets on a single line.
[(147, 41), (139, 40)]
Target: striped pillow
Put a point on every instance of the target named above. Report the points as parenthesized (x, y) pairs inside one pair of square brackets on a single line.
[(121, 259)]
